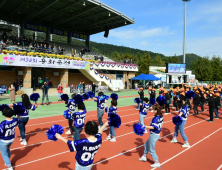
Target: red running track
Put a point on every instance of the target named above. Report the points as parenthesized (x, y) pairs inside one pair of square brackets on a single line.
[(123, 154)]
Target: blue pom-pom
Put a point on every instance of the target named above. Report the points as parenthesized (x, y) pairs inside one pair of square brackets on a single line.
[(91, 94), (161, 100), (190, 94), (114, 96), (152, 100), (66, 114), (86, 96), (53, 130), (19, 109), (137, 100), (65, 97), (114, 120), (139, 129), (104, 97), (78, 99), (177, 120), (2, 107), (34, 97)]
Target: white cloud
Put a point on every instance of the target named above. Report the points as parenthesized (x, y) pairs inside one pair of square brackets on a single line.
[(144, 43), (139, 33)]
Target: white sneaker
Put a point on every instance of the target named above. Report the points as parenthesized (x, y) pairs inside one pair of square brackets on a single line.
[(68, 132), (155, 165), (10, 168), (71, 136), (105, 129), (20, 139), (98, 127), (108, 137), (186, 145), (113, 140), (23, 142), (143, 158), (174, 140)]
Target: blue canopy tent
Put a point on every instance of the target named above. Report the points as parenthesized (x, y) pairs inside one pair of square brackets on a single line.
[(147, 77)]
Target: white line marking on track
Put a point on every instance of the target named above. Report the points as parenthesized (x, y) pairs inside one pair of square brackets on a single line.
[(143, 144), (104, 141), (190, 147), (220, 167), (68, 126), (60, 115), (66, 119), (66, 137)]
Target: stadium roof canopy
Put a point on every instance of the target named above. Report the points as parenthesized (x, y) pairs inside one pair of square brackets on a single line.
[(87, 16)]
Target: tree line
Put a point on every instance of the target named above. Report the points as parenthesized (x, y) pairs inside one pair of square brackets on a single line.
[(205, 68)]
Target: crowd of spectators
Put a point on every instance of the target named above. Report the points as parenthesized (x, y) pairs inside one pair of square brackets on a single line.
[(27, 44)]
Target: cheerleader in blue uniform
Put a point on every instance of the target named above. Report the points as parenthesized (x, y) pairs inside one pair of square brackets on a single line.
[(143, 110), (155, 128), (112, 109), (71, 106), (79, 120), (183, 112), (86, 148), (24, 117), (101, 105), (7, 135)]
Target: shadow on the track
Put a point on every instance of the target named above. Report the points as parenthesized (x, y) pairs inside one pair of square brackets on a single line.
[(21, 153), (33, 133), (165, 132), (104, 162), (64, 165), (139, 150)]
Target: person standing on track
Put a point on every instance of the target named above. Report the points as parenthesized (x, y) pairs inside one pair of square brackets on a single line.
[(141, 93), (167, 105), (217, 105), (202, 100), (7, 135), (155, 128), (24, 117), (86, 148), (183, 113), (211, 103), (196, 102)]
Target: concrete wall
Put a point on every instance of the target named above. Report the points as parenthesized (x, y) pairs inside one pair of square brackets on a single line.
[(8, 77), (75, 78)]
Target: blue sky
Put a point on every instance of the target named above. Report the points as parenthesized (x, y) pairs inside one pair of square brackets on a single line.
[(159, 26)]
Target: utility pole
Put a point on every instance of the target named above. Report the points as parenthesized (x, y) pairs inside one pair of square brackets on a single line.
[(184, 39)]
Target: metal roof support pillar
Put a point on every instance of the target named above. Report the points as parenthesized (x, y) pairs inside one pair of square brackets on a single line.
[(48, 35), (69, 38), (22, 26), (88, 43)]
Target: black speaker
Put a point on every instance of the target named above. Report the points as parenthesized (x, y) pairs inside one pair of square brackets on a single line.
[(185, 79), (170, 78), (106, 34)]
